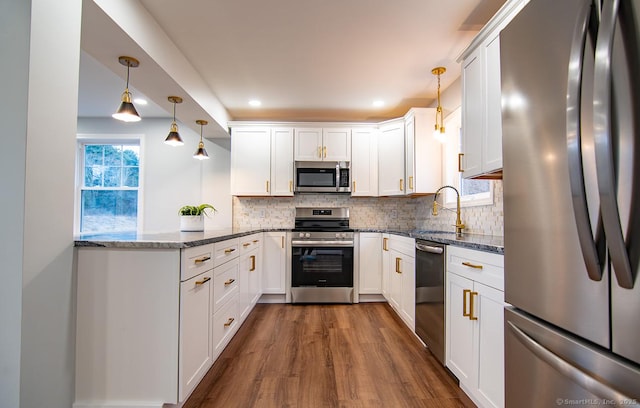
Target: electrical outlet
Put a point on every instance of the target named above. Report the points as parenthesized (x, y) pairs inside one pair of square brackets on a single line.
[(261, 214), (393, 214)]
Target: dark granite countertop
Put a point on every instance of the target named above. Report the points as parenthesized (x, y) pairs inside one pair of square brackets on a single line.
[(178, 240)]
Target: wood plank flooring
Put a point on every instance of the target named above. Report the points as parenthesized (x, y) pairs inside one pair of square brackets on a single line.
[(308, 356)]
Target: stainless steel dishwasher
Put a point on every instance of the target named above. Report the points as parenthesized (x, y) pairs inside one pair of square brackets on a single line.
[(430, 296)]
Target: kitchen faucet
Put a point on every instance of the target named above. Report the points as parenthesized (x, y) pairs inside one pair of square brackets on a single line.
[(459, 225)]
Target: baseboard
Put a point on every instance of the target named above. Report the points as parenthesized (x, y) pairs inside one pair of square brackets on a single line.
[(272, 298), (370, 298)]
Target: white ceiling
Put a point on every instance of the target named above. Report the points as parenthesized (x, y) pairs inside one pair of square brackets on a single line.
[(306, 60)]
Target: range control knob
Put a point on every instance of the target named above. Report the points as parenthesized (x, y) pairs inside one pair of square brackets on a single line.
[(337, 235), (307, 235), (301, 235)]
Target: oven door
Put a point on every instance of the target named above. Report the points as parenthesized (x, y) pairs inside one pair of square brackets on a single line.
[(321, 266)]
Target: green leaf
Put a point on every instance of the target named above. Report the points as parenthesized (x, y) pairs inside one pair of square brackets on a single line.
[(196, 210)]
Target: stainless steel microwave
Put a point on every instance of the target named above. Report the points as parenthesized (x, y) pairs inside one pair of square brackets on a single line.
[(322, 177)]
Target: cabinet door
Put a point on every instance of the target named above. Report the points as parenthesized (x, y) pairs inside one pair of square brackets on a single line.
[(408, 306), (251, 161), (336, 144), (459, 328), (255, 275), (370, 259), (409, 158), (395, 280), (308, 144), (489, 343), (472, 114), (391, 159), (195, 346), (364, 163), (274, 264), (250, 281), (386, 268), (282, 161), (492, 142)]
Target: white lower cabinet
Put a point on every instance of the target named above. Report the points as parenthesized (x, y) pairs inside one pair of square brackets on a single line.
[(474, 324), (250, 273), (274, 263), (401, 277), (195, 331), (385, 266), (370, 263)]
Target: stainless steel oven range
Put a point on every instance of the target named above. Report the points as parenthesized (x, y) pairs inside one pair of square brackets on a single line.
[(322, 256)]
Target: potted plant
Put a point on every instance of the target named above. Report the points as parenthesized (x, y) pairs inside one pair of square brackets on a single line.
[(192, 216)]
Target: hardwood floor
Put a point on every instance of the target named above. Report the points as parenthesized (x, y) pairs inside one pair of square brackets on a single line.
[(308, 356)]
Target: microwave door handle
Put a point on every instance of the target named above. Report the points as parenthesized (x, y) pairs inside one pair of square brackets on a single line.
[(337, 177), (604, 146), (574, 145)]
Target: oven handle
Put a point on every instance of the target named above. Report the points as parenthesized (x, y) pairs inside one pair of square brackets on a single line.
[(307, 244)]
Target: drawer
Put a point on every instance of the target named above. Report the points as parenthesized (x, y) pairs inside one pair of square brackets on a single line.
[(404, 245), (484, 267), (224, 324), (195, 260), (250, 242), (225, 283), (225, 251)]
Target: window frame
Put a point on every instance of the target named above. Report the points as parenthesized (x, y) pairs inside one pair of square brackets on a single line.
[(451, 176), (106, 139)]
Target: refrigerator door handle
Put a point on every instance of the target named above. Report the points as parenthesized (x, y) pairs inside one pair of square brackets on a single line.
[(574, 145), (604, 146), (582, 378)]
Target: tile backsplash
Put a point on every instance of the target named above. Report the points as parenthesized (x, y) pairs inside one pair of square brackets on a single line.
[(369, 212)]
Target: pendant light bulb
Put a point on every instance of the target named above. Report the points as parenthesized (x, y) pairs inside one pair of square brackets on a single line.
[(174, 139), (201, 153), (126, 111), (439, 131)]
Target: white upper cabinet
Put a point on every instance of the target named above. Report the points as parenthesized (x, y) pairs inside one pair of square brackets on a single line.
[(423, 153), (364, 162), (261, 161), (322, 144), (391, 166), (481, 98)]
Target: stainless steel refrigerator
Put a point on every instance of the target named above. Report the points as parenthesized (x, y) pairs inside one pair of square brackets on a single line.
[(570, 78)]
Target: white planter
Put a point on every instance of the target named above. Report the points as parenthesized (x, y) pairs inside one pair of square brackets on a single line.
[(192, 223)]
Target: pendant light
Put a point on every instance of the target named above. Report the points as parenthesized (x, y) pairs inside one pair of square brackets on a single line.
[(201, 153), (174, 137), (127, 112), (439, 132)]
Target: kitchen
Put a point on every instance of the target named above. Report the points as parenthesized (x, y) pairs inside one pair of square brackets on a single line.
[(53, 250)]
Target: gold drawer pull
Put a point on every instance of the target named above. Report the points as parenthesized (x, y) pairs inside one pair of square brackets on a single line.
[(282, 241), (229, 282), (470, 265), (471, 296), (201, 260), (398, 261), (253, 263), (255, 240), (229, 250), (320, 152), (401, 185), (267, 186), (459, 162), (291, 186), (228, 323), (410, 182), (246, 244), (354, 186), (464, 302), (385, 244), (324, 150), (203, 281)]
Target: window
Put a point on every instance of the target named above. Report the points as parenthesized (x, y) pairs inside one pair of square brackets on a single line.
[(109, 183), (472, 192)]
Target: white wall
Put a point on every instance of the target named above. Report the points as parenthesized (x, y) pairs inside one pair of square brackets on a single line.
[(171, 176), (14, 41), (48, 315)]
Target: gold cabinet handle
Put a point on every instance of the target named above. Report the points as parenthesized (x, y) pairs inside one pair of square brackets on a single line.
[(253, 263), (354, 186), (410, 182), (229, 282), (398, 262), (324, 152), (460, 162), (282, 244), (385, 243), (471, 297), (228, 323), (255, 241), (401, 184), (229, 250), (291, 186), (464, 302), (320, 152), (201, 260), (267, 186), (470, 265), (246, 244), (203, 281)]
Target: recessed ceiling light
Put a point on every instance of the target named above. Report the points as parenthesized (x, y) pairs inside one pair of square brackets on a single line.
[(140, 101), (255, 103), (378, 103)]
